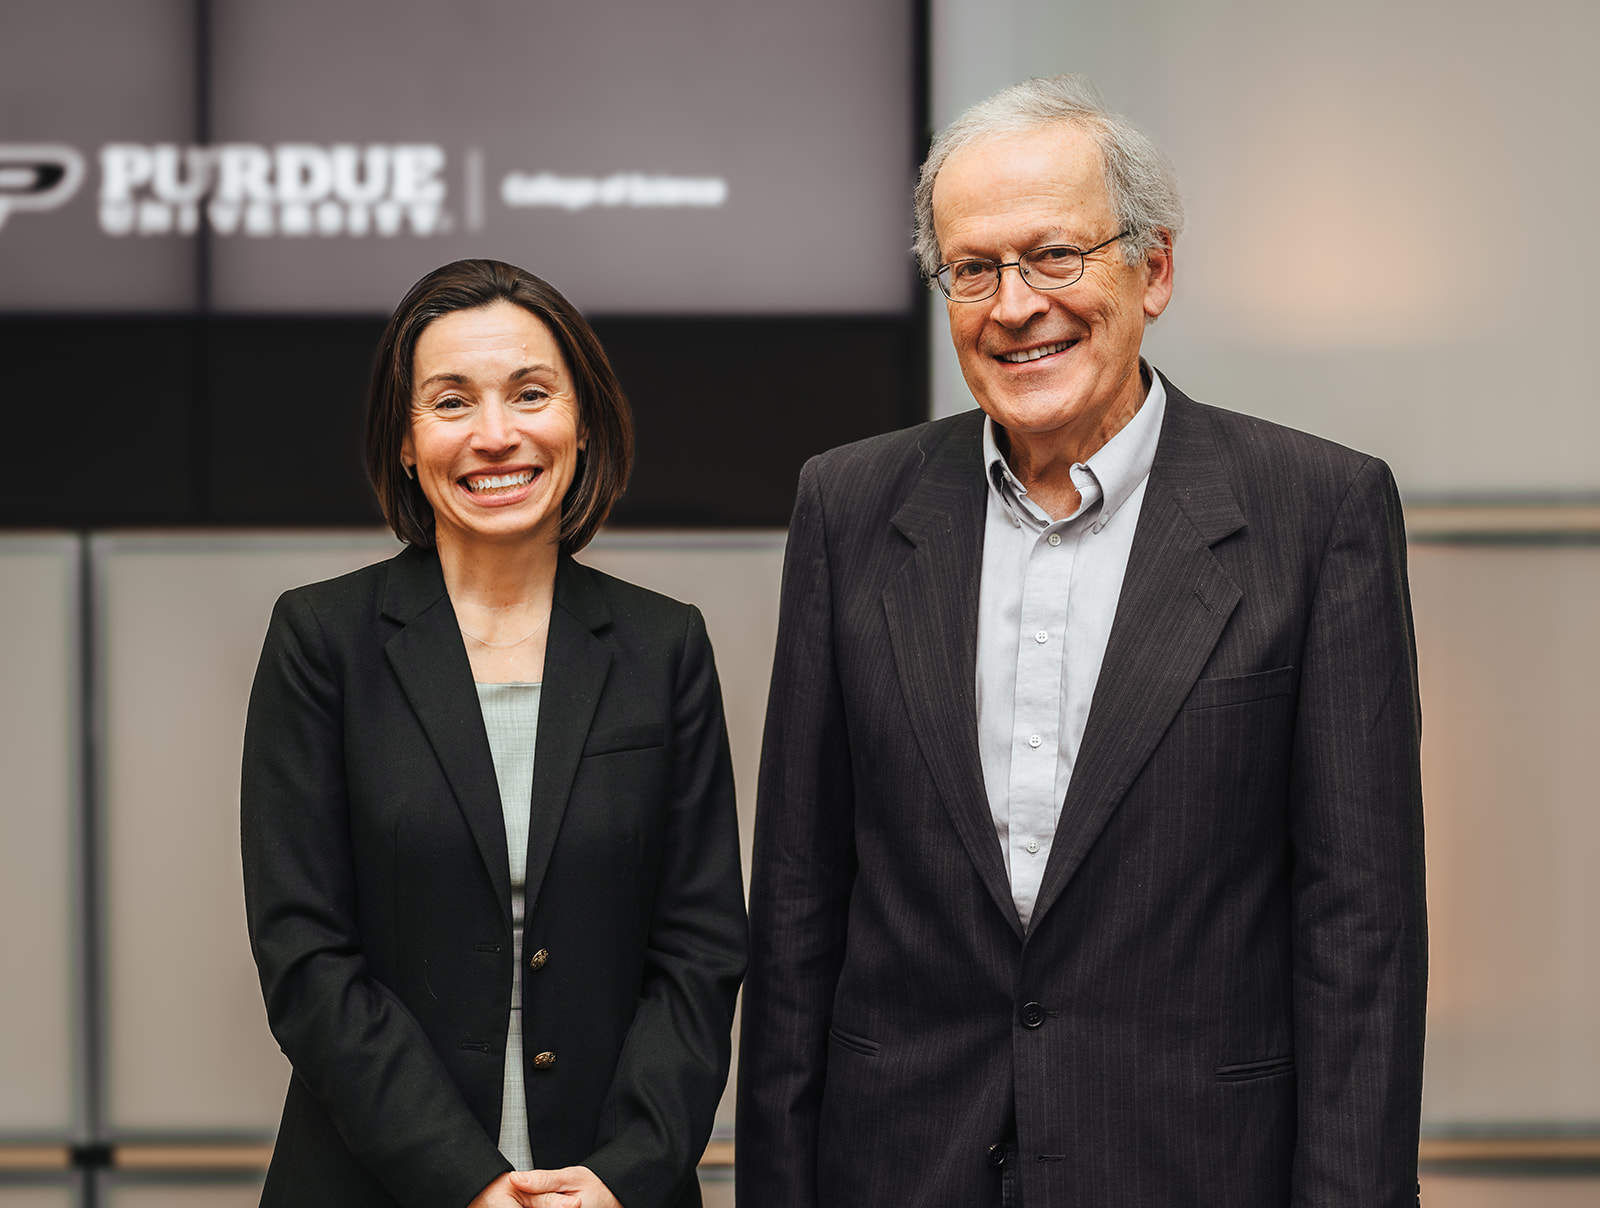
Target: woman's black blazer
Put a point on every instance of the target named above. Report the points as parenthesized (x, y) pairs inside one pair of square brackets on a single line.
[(378, 895)]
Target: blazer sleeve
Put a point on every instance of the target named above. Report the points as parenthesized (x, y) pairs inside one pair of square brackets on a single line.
[(803, 870), (674, 1063), (361, 1053), (1357, 896)]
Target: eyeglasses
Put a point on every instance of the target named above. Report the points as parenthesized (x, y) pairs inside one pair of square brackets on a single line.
[(1052, 267)]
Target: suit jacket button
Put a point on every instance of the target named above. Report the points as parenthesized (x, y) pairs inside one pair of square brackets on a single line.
[(537, 960), (1032, 1014), (544, 1061), (997, 1154)]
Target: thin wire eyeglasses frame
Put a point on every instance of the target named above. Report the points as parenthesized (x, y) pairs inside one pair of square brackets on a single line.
[(1019, 264)]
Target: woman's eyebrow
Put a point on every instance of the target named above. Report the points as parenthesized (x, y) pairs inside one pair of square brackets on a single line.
[(536, 367), (457, 378)]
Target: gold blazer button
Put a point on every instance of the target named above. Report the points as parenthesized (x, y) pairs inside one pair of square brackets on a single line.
[(544, 1061), (537, 960)]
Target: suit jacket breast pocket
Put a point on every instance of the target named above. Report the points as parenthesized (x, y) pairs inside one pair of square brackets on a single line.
[(1240, 689), (625, 738)]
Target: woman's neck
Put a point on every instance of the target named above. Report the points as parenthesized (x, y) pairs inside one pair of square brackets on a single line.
[(500, 577), (502, 596)]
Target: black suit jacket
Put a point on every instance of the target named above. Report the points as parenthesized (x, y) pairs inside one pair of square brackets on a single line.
[(378, 892), (1220, 998)]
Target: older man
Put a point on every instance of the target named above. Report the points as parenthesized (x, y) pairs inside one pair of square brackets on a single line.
[(1088, 861)]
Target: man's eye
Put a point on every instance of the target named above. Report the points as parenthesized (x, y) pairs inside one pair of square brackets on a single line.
[(970, 269), (1052, 255)]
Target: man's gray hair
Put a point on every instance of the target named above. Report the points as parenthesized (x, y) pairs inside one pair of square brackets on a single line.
[(1140, 183)]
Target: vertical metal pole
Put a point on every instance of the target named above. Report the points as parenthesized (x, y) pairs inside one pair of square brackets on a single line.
[(91, 1021), (203, 502)]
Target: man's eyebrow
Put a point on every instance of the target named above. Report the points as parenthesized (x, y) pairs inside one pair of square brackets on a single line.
[(1050, 237)]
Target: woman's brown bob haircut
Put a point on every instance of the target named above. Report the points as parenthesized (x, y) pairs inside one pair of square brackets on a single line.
[(603, 414)]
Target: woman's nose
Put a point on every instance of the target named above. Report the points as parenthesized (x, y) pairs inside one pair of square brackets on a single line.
[(494, 430)]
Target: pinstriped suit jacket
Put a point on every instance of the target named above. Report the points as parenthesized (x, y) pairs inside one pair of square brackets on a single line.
[(1220, 998)]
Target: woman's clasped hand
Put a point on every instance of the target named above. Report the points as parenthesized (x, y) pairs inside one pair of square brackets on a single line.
[(572, 1187)]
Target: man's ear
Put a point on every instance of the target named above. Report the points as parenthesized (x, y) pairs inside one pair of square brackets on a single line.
[(1158, 279)]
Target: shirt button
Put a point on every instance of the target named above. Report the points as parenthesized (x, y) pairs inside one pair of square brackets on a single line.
[(1033, 740), (1033, 846), (1055, 538), (1041, 637)]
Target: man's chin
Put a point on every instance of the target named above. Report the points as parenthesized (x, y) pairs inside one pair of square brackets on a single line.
[(1043, 407)]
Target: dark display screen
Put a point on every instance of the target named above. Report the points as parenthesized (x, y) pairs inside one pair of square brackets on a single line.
[(219, 200), (693, 157)]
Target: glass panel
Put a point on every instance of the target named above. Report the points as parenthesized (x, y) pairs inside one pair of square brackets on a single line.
[(39, 751), (38, 1196), (1476, 1191), (182, 621), (1341, 165), (1510, 653), (716, 1188), (734, 580), (115, 1194)]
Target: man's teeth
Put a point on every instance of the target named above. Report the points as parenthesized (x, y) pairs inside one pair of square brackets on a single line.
[(499, 482), (1033, 354)]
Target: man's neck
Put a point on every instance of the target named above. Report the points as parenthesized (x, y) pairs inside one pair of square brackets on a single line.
[(1043, 462)]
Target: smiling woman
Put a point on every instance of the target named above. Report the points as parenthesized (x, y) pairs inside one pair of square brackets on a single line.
[(494, 437), (480, 750)]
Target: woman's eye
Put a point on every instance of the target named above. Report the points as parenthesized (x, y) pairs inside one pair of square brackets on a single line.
[(533, 394), (449, 403)]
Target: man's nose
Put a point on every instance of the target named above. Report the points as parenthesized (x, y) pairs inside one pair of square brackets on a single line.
[(1015, 302)]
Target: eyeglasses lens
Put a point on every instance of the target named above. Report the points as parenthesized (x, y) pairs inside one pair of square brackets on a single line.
[(1042, 268)]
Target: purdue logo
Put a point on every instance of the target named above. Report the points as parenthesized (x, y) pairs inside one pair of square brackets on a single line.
[(37, 176), (288, 189)]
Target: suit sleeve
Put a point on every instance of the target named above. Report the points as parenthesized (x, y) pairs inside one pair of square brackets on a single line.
[(674, 1064), (355, 1046), (803, 870), (1357, 895)]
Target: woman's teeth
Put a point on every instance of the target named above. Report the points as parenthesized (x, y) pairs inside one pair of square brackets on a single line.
[(498, 482)]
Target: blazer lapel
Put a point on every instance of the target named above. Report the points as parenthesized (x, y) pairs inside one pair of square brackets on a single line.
[(576, 662), (931, 605), (1175, 600), (430, 660)]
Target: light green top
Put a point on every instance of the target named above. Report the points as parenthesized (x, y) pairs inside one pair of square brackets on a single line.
[(511, 717)]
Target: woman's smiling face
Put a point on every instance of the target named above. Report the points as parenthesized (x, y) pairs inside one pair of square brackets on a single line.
[(495, 426)]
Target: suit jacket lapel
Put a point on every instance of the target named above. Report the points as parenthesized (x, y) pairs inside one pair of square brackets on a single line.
[(430, 660), (931, 605), (1175, 600), (576, 662)]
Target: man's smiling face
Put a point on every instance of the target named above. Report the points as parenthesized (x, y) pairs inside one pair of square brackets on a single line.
[(1060, 365)]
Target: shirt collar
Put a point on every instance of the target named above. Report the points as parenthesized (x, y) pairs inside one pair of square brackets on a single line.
[(1119, 465)]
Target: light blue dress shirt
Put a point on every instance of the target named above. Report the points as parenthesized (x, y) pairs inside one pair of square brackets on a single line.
[(1046, 600)]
